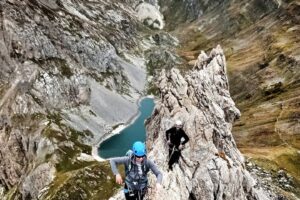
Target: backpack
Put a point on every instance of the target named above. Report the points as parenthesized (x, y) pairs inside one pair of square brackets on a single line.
[(130, 155)]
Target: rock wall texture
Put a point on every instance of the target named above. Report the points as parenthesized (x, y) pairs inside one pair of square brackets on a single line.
[(211, 166), (69, 72), (261, 44)]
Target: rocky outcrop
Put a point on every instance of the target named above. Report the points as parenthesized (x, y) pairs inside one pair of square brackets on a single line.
[(150, 15), (261, 43), (70, 71), (80, 64), (211, 166)]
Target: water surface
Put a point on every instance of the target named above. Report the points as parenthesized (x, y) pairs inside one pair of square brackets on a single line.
[(119, 144)]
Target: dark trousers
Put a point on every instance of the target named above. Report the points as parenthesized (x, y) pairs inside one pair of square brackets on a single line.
[(174, 155), (134, 194)]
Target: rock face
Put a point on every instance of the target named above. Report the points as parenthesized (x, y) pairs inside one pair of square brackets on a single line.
[(261, 44), (211, 166), (150, 15), (69, 72), (72, 70)]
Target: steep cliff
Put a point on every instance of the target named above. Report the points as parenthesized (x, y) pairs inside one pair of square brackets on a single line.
[(261, 44), (211, 166), (70, 72)]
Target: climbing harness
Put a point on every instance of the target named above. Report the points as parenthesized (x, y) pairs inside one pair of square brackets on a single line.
[(140, 193), (173, 150)]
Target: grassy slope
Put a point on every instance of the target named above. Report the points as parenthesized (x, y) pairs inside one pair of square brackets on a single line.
[(94, 181), (261, 45), (74, 178)]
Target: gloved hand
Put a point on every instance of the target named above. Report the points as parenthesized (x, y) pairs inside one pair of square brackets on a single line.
[(180, 147)]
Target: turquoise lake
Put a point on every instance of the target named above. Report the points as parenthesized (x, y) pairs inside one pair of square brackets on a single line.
[(119, 144)]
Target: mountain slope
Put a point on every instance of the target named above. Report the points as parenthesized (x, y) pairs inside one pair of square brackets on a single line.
[(70, 72), (211, 166), (261, 44)]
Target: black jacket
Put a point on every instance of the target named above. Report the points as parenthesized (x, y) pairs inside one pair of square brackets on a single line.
[(175, 135)]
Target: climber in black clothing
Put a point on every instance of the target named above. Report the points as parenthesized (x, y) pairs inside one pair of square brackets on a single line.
[(174, 136)]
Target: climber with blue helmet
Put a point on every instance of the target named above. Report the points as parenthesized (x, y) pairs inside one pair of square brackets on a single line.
[(136, 168)]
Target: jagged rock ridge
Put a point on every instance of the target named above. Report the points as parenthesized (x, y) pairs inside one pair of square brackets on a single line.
[(211, 166), (261, 43), (61, 63)]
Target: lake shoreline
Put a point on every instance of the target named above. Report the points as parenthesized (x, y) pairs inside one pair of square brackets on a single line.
[(117, 130)]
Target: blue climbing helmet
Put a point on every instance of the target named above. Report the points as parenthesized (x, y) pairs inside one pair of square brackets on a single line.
[(139, 148)]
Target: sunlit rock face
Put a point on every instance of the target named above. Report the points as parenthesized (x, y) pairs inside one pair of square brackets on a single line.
[(70, 71), (150, 15), (202, 101), (261, 44)]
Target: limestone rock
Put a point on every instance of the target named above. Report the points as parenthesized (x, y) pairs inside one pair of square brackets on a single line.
[(38, 180), (63, 64), (211, 166), (150, 15)]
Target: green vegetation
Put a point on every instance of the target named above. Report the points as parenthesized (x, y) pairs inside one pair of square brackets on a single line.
[(152, 89), (120, 81), (288, 160), (94, 181), (159, 59), (69, 143), (30, 121), (52, 63), (96, 76), (291, 162), (67, 151), (199, 42), (176, 14), (65, 69), (2, 89), (13, 193), (75, 179), (263, 74)]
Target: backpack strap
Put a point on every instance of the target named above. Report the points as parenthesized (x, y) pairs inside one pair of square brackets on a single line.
[(133, 179), (129, 165), (145, 167)]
